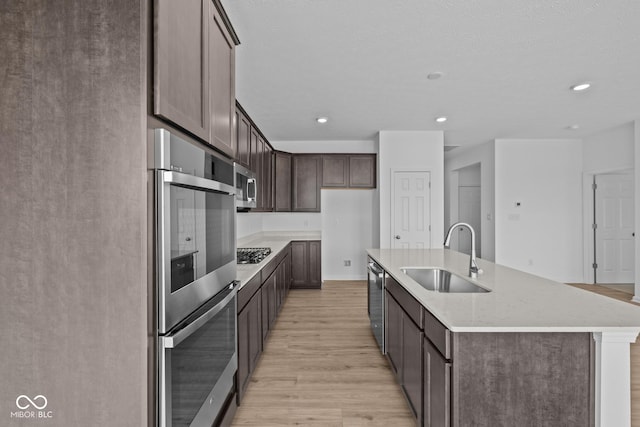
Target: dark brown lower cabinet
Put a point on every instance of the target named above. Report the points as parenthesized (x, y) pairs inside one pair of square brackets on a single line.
[(259, 302), (393, 334), (437, 387), (306, 264), (249, 341), (404, 352)]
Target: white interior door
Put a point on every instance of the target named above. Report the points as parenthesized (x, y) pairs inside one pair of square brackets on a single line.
[(614, 232), (411, 210), (469, 212)]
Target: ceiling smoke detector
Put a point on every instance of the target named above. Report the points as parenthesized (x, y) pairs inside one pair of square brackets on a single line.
[(435, 75)]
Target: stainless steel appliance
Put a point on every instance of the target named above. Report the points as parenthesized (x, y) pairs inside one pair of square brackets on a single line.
[(197, 364), (252, 255), (195, 220), (195, 275), (375, 293), (246, 188)]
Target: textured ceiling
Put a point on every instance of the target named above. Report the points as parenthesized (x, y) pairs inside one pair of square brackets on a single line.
[(507, 67)]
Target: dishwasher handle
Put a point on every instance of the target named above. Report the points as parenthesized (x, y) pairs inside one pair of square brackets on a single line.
[(375, 269)]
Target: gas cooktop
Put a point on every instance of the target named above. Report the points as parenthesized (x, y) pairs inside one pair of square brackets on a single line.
[(252, 255)]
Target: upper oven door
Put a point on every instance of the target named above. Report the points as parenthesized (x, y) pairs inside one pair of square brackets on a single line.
[(196, 243)]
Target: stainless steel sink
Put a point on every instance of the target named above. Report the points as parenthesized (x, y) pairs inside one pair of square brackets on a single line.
[(436, 279)]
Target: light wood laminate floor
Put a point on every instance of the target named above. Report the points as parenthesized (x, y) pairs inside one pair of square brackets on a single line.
[(321, 366)]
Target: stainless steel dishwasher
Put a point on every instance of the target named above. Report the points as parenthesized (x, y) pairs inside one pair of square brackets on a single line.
[(376, 301)]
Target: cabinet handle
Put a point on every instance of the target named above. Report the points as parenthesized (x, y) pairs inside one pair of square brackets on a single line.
[(397, 236)]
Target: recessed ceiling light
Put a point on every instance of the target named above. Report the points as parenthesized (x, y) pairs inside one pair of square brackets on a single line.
[(573, 127), (441, 119), (580, 87), (322, 120), (435, 75)]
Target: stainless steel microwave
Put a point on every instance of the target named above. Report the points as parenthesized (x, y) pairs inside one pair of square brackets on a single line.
[(246, 188)]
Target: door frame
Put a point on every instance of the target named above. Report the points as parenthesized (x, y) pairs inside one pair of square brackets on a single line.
[(392, 215), (588, 218)]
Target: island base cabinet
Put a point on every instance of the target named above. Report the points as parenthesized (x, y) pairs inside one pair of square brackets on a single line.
[(437, 387), (522, 379), (404, 352)]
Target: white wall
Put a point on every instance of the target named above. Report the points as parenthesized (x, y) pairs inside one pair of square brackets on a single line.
[(543, 235), (347, 231), (636, 143), (459, 158), (411, 150), (610, 150)]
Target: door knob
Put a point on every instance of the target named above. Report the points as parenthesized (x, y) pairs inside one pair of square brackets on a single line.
[(397, 237)]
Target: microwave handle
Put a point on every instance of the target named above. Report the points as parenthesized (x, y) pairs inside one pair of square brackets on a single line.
[(251, 190), (174, 340)]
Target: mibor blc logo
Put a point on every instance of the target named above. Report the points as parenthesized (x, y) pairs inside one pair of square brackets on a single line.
[(32, 407)]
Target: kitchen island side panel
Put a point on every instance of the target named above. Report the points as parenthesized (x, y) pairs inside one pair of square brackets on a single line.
[(73, 257), (523, 379)]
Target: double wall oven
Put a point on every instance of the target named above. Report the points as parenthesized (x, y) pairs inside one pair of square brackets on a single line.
[(195, 276)]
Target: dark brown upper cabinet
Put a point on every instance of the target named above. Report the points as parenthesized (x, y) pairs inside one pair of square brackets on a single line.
[(262, 168), (243, 135), (349, 171), (222, 86), (307, 177), (335, 170), (194, 70), (362, 171), (282, 182)]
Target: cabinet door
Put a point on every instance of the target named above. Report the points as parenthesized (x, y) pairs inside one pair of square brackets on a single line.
[(299, 264), (287, 269), (393, 334), (254, 160), (264, 314), (243, 351), (255, 330), (307, 174), (315, 264), (271, 287), (265, 175), (243, 144), (249, 341), (412, 365), (335, 170), (362, 171), (221, 83), (282, 187), (437, 387), (181, 62)]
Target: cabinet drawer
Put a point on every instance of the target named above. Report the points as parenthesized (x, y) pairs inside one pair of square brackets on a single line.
[(247, 291), (437, 333), (412, 307)]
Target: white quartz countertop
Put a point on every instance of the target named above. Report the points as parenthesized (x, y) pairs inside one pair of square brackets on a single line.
[(518, 301), (276, 240)]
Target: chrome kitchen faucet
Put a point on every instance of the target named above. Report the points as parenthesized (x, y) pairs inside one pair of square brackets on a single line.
[(473, 265)]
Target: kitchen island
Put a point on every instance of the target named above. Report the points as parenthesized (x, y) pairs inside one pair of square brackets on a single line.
[(535, 314)]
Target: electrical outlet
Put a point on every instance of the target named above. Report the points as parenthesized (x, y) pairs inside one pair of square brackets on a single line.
[(347, 263)]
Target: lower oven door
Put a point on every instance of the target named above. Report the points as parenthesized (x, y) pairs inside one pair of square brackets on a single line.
[(197, 364)]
